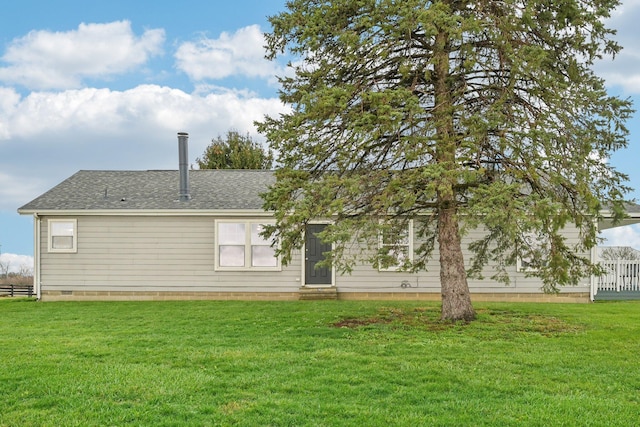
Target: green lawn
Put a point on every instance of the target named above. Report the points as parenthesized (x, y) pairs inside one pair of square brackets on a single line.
[(325, 363)]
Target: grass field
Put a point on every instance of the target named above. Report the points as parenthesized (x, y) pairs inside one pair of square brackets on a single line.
[(325, 363)]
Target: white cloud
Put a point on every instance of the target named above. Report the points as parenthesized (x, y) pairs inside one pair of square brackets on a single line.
[(622, 236), (14, 187), (45, 137), (9, 99), (100, 111), (624, 71), (15, 263), (240, 53), (60, 60)]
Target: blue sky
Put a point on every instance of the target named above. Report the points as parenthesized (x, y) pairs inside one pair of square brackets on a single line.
[(107, 84)]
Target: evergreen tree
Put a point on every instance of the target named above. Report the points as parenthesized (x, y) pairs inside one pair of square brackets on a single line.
[(235, 152), (454, 114)]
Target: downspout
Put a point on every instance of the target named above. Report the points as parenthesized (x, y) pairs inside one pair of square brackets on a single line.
[(594, 280), (36, 255)]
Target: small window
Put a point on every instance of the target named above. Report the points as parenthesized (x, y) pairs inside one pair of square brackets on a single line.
[(396, 247), (240, 246), (534, 253), (62, 235)]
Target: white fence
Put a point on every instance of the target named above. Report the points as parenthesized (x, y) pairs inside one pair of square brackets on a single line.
[(621, 276)]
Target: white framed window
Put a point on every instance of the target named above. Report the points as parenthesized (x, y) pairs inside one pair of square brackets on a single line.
[(239, 246), (398, 246), (63, 235), (535, 249)]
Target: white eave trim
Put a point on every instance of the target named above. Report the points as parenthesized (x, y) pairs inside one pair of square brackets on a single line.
[(150, 212), (609, 214)]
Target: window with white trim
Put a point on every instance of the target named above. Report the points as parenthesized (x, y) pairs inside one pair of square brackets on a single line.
[(239, 246), (536, 253), (63, 236), (397, 246)]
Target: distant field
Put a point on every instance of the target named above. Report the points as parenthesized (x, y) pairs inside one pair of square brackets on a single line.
[(325, 363), (16, 279)]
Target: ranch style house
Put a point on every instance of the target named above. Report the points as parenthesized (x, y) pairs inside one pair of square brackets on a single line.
[(195, 234)]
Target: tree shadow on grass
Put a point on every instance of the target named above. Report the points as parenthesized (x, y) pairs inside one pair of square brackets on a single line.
[(505, 321)]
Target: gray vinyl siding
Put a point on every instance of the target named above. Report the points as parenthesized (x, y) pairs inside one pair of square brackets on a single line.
[(177, 254), (364, 278), (151, 253)]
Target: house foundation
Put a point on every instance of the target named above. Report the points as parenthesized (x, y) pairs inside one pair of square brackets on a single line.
[(304, 294)]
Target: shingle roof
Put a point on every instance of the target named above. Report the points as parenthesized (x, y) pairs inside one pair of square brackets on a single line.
[(159, 190), (155, 190)]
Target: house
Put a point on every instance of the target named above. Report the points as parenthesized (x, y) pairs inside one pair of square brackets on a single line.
[(181, 234)]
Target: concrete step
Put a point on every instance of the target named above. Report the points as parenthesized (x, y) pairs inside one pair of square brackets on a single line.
[(309, 294)]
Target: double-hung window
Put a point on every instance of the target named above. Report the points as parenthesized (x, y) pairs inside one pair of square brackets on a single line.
[(533, 253), (63, 235), (240, 246), (395, 247)]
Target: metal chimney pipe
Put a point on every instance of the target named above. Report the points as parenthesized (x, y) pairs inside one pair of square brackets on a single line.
[(183, 160)]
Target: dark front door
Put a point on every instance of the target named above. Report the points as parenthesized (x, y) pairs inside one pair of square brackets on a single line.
[(314, 250)]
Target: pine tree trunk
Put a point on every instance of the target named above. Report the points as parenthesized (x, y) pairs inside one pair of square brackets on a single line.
[(456, 301)]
